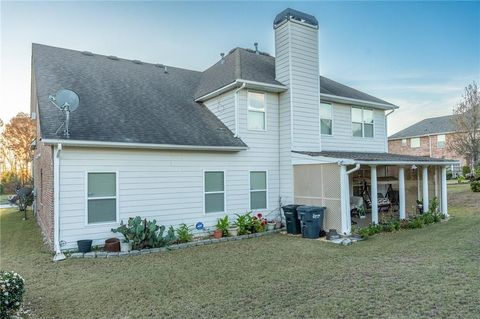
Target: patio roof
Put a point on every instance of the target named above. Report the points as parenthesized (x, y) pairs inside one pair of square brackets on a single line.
[(377, 158)]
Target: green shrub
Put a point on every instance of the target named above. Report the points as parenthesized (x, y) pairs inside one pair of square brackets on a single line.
[(416, 222), (144, 233), (12, 287), (427, 218), (184, 234), (475, 186), (243, 223), (461, 179), (466, 170), (223, 224)]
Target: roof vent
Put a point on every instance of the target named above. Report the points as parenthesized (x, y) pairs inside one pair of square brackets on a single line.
[(137, 61), (165, 69), (87, 53), (222, 60), (159, 65), (256, 48), (112, 57)]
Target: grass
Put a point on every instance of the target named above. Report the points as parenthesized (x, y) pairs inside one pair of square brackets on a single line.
[(422, 273), (4, 199)]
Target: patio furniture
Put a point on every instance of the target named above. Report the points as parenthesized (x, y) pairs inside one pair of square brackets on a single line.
[(383, 203), (356, 202)]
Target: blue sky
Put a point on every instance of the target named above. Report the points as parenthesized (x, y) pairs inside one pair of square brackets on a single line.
[(419, 55)]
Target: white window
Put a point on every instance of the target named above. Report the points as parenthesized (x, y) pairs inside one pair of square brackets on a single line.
[(102, 197), (326, 118), (214, 186), (404, 142), (415, 142), (256, 111), (362, 122), (258, 190), (441, 141)]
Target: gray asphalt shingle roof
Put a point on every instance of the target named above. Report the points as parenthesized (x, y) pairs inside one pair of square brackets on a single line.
[(374, 157), (433, 125), (134, 102), (123, 101)]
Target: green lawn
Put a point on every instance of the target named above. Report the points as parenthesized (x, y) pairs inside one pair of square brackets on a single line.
[(4, 199), (422, 273)]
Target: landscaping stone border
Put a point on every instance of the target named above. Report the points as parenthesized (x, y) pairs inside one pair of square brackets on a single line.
[(103, 254)]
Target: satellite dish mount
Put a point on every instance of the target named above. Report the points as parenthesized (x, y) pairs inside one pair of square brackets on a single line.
[(66, 101)]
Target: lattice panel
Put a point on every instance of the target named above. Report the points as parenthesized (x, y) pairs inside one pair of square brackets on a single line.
[(331, 181), (333, 215), (308, 180)]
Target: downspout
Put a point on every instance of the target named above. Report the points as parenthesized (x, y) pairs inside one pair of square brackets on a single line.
[(236, 108), (386, 129), (56, 203)]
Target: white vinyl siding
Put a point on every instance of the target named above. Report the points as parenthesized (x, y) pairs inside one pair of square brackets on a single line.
[(326, 119), (342, 139), (169, 185), (214, 190), (256, 111), (415, 142), (223, 106), (101, 197), (258, 190), (441, 141)]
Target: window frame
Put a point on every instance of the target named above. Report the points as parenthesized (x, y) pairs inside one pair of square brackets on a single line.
[(224, 192), (404, 142), (249, 109), (419, 142), (331, 118), (444, 141), (363, 121), (116, 197), (257, 190)]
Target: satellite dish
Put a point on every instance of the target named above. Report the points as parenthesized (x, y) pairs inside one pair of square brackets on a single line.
[(66, 101)]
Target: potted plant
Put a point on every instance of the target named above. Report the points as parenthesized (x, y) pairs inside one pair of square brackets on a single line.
[(361, 212), (84, 246), (222, 227), (233, 230), (112, 245), (271, 225)]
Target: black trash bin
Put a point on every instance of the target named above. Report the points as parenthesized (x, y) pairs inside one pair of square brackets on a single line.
[(312, 220), (292, 220)]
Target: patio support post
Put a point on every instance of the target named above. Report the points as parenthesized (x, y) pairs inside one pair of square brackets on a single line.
[(444, 204), (345, 200), (425, 188), (373, 195), (401, 192), (436, 181)]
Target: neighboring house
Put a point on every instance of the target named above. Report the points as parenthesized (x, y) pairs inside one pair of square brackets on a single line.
[(428, 137), (250, 133)]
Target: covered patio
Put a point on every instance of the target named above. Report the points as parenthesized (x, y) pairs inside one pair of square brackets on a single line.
[(382, 185)]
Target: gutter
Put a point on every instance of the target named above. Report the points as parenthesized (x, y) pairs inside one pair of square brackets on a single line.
[(342, 99), (406, 163), (84, 143), (236, 109), (56, 203), (240, 82)]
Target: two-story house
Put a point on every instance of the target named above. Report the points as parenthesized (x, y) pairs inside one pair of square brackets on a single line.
[(428, 137), (251, 133)]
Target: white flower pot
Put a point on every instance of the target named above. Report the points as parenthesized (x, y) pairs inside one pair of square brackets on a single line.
[(271, 226), (233, 232), (125, 247)]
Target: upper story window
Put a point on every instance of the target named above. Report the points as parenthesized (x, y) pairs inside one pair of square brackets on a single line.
[(101, 197), (441, 141), (415, 142), (256, 119), (326, 118), (214, 189), (404, 142), (362, 122)]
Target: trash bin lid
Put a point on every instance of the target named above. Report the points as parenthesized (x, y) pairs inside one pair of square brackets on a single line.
[(310, 209), (291, 207)]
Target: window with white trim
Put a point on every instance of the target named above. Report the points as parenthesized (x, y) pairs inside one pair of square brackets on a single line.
[(256, 111), (258, 190), (441, 141), (362, 122), (326, 119), (404, 142), (415, 142), (101, 197), (214, 196)]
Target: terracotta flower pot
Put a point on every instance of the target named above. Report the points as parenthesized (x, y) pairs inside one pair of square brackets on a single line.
[(217, 233), (112, 245)]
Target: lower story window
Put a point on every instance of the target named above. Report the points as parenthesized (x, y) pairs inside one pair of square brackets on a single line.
[(214, 186), (258, 190), (101, 197)]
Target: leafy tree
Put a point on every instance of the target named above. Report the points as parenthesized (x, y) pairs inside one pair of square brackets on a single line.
[(466, 141)]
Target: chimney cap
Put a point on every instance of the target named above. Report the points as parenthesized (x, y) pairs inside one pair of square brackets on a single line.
[(291, 14)]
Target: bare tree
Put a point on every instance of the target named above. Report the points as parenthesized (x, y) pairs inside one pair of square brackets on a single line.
[(466, 141)]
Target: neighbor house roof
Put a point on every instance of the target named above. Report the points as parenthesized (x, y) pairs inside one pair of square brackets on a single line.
[(128, 101), (433, 125), (375, 157), (125, 101)]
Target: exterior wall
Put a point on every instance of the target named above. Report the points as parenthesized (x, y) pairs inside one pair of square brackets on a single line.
[(342, 139), (319, 185), (168, 185), (223, 106), (428, 147)]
